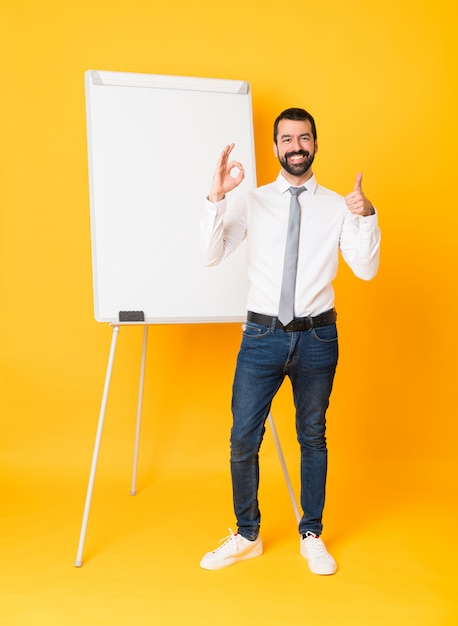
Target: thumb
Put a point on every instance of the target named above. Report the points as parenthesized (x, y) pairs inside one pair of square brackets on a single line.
[(359, 178)]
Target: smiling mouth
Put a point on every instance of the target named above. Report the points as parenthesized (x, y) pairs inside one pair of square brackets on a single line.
[(296, 157)]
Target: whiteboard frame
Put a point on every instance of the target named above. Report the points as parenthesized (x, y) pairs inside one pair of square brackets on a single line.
[(232, 273)]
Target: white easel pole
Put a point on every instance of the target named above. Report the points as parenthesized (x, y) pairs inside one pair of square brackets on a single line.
[(114, 338), (285, 469), (133, 489)]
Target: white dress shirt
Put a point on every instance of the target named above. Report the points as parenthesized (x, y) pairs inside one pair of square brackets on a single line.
[(261, 216)]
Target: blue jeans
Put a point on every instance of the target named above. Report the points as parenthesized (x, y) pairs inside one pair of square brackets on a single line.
[(266, 356)]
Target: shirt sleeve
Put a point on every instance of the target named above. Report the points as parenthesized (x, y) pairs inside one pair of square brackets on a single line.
[(221, 231), (360, 244)]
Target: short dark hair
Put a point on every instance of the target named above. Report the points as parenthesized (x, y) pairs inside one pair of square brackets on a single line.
[(298, 115)]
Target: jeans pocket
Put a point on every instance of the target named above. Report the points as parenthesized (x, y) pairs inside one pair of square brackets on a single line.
[(255, 331), (326, 334)]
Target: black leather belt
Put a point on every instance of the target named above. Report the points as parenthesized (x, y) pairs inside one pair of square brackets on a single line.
[(300, 323)]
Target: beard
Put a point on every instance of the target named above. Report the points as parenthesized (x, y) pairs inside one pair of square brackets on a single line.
[(300, 168)]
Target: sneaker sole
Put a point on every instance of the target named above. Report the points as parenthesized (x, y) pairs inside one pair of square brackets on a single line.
[(316, 571)]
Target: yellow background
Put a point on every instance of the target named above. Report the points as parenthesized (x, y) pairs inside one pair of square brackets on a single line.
[(380, 79)]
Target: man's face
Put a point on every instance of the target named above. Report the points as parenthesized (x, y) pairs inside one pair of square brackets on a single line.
[(295, 146)]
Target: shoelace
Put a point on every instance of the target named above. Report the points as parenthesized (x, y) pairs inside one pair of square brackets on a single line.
[(226, 542), (316, 546)]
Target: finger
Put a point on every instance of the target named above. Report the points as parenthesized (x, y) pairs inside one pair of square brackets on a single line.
[(239, 173), (226, 152), (232, 164), (359, 178), (228, 149), (353, 201), (240, 176)]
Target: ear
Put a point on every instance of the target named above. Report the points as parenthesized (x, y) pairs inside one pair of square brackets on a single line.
[(316, 145), (275, 149)]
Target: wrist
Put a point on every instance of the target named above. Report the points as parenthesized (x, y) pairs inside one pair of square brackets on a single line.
[(215, 197)]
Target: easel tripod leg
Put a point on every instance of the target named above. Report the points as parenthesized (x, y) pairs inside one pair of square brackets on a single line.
[(114, 338), (133, 489), (285, 469)]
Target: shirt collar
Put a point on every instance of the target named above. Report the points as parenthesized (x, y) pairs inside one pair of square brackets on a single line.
[(283, 185)]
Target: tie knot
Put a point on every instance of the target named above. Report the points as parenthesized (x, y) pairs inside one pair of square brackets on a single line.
[(295, 191)]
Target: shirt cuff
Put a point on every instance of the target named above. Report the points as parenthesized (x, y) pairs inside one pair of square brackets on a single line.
[(218, 208), (367, 222)]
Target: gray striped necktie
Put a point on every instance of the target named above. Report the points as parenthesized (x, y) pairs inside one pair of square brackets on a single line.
[(288, 287)]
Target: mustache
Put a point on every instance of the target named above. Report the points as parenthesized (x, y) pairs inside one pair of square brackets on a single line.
[(303, 153)]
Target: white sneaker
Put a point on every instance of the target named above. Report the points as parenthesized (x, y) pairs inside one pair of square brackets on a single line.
[(319, 559), (233, 548)]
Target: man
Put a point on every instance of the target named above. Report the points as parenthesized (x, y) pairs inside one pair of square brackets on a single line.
[(302, 344)]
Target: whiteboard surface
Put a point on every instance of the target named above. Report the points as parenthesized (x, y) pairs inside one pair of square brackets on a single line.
[(153, 143)]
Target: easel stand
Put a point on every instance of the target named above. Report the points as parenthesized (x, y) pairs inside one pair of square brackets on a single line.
[(98, 438)]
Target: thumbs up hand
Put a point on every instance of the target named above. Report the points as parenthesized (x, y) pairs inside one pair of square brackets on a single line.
[(356, 201)]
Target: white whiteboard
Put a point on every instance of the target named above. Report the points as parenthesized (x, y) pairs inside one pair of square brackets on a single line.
[(153, 143)]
